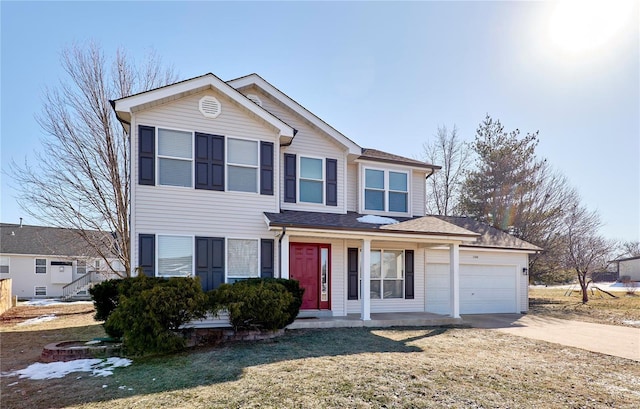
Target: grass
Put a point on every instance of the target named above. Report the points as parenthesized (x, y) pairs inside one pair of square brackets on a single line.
[(357, 368), (601, 308)]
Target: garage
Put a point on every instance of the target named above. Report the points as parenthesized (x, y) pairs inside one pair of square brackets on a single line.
[(488, 289)]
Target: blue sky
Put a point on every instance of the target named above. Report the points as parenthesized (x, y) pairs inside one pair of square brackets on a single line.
[(384, 74)]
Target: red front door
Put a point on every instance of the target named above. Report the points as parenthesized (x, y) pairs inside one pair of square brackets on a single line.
[(309, 264)]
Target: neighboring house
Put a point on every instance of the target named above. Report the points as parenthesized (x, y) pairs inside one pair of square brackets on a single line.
[(629, 267), (235, 179), (46, 262)]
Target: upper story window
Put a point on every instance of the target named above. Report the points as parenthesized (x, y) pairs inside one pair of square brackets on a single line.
[(175, 157), (386, 191), (311, 180), (4, 265), (41, 266), (175, 256), (242, 165)]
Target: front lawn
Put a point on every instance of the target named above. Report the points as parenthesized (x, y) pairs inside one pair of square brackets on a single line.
[(601, 308), (355, 368)]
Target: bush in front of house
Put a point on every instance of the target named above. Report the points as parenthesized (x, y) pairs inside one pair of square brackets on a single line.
[(105, 298), (150, 312), (257, 304), (292, 286)]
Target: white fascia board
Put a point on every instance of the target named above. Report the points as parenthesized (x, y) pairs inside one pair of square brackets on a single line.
[(127, 104), (338, 234), (255, 79)]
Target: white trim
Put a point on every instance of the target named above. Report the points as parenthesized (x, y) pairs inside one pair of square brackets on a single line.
[(258, 81), (454, 280), (386, 190), (35, 265), (382, 279), (438, 240), (125, 106)]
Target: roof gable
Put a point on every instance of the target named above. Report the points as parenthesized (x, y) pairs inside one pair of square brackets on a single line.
[(258, 81), (375, 155), (125, 106)]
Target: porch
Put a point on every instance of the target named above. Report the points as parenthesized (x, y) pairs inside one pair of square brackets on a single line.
[(378, 320)]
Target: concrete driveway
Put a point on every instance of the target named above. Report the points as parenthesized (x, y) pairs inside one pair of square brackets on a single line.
[(613, 340)]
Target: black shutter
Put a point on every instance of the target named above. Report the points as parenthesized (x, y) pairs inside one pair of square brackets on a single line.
[(266, 258), (146, 155), (209, 165), (332, 182), (408, 274), (210, 261), (266, 168), (352, 273), (289, 178), (147, 254)]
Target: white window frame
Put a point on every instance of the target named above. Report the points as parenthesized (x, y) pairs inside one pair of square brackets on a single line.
[(5, 261), (157, 255), (158, 156), (382, 279), (78, 266), (227, 163), (226, 260), (323, 180), (35, 291), (36, 265), (386, 190)]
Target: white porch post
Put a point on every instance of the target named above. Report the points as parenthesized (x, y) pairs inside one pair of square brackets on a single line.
[(365, 294), (284, 256), (454, 277)]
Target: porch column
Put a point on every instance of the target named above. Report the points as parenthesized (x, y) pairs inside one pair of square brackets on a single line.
[(365, 294), (454, 280), (284, 256)]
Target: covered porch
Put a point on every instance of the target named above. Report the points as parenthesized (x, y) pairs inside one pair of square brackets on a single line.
[(377, 320)]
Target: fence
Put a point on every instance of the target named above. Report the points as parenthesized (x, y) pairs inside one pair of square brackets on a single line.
[(5, 295)]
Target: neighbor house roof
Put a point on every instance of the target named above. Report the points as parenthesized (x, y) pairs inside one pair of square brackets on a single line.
[(380, 156), (490, 237), (625, 259), (425, 225), (43, 241)]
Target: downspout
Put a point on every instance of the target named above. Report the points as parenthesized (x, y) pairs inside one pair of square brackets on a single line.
[(284, 231), (425, 188)]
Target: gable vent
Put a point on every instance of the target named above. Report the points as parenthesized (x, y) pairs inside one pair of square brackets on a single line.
[(210, 107), (255, 99)]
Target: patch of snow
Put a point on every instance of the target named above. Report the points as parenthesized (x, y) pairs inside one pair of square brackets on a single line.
[(54, 370), (94, 342), (630, 322), (51, 301), (38, 320), (371, 219), (13, 383)]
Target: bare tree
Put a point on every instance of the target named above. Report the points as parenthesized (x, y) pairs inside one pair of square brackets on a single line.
[(443, 187), (81, 177), (586, 250), (630, 249)]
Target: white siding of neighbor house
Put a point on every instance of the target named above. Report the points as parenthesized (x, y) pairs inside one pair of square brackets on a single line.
[(352, 187), (437, 277), (393, 304), (418, 193), (197, 212), (630, 268), (338, 271), (309, 141)]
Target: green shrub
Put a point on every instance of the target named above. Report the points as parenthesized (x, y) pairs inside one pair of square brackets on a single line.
[(293, 286), (254, 304), (105, 298), (151, 311)]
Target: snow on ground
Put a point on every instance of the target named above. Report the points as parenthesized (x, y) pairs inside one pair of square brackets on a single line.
[(38, 320), (51, 301), (371, 219), (611, 287), (53, 370)]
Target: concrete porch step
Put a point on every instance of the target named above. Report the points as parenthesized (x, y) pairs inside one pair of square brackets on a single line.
[(382, 320)]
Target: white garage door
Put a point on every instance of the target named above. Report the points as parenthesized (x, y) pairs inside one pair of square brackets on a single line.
[(487, 289)]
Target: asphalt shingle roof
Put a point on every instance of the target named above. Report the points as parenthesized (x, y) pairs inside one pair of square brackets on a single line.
[(380, 156), (489, 236), (40, 240)]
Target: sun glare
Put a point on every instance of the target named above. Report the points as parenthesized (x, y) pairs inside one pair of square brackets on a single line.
[(580, 26)]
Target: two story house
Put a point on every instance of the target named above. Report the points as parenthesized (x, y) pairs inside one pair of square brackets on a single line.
[(235, 179)]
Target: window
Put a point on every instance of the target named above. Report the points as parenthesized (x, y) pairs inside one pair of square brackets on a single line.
[(41, 266), (311, 180), (386, 191), (387, 274), (4, 265), (81, 267), (175, 156), (242, 259), (175, 256), (40, 291), (242, 165)]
